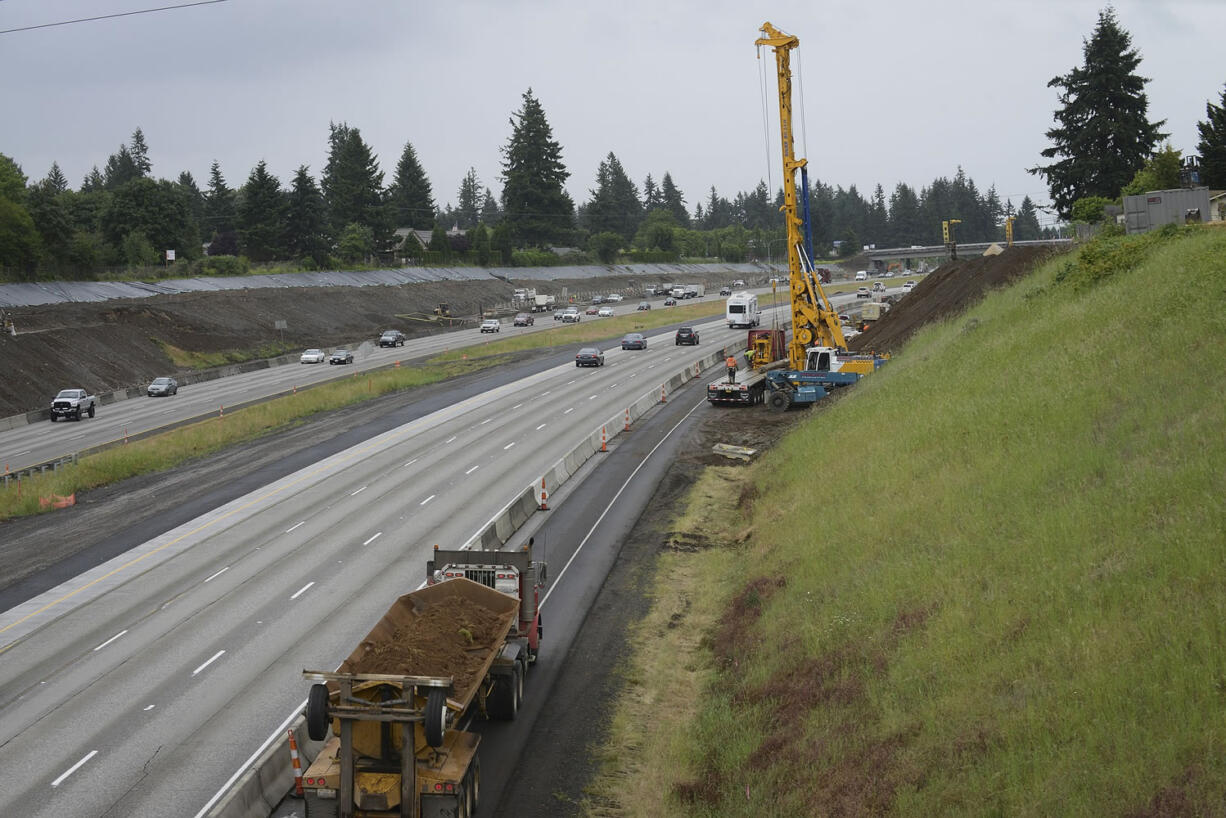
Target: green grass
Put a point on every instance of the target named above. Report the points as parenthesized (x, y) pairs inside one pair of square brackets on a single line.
[(186, 359), (177, 446), (1005, 568)]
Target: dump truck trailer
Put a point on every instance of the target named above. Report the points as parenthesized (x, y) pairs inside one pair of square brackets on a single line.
[(390, 714)]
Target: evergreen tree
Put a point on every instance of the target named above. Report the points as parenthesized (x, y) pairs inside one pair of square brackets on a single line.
[(120, 169), (93, 181), (490, 214), (306, 223), (652, 197), (139, 152), (673, 201), (502, 242), (156, 210), (876, 219), (482, 251), (468, 198), (1026, 227), (615, 206), (1160, 172), (220, 213), (719, 211), (352, 185), (1212, 144), (991, 216), (906, 222), (410, 196), (1103, 134), (55, 179), (535, 206), (261, 216), (195, 200), (47, 205), (439, 243)]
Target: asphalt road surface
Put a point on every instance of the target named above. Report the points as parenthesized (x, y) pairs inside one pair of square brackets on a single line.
[(139, 687)]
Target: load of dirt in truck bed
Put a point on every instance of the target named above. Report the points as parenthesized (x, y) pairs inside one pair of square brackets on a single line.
[(950, 289), (451, 637)]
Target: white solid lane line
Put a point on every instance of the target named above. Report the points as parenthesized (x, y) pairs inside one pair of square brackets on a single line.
[(473, 469), (212, 659), (295, 525), (227, 568), (109, 641), (509, 445), (302, 590), (542, 426), (74, 768), (428, 499), (359, 491)]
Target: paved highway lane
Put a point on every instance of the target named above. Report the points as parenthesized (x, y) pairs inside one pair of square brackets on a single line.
[(136, 689), (43, 442)]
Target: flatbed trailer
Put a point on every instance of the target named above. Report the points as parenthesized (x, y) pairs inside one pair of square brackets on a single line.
[(749, 389)]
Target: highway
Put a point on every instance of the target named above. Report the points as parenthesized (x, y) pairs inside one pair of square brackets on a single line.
[(44, 442), (140, 687)]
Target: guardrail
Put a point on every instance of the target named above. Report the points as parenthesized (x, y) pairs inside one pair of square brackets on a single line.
[(256, 792)]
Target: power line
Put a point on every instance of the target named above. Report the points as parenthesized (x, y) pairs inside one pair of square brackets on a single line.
[(111, 16)]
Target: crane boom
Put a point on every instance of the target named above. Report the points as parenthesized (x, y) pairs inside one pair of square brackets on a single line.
[(814, 321)]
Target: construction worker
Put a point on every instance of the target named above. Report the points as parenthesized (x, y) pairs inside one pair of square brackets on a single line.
[(731, 364), (749, 357)]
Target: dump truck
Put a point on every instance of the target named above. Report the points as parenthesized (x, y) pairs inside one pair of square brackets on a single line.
[(769, 351), (390, 714), (542, 302)]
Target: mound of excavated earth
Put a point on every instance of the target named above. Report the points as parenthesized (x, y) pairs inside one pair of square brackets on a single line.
[(949, 290)]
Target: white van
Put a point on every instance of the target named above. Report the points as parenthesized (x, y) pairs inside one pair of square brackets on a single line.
[(742, 310), (862, 275)]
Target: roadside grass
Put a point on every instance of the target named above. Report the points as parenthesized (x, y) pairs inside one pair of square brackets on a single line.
[(589, 330), (171, 448), (186, 359), (991, 579)]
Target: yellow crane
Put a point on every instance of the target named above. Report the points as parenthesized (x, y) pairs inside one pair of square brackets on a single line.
[(814, 321)]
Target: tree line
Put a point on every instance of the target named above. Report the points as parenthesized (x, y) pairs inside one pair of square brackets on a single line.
[(1103, 145)]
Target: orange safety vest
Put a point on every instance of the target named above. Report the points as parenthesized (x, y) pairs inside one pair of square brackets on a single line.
[(731, 362)]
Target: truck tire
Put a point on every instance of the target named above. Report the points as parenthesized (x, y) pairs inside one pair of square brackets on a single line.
[(54, 418), (780, 401), (434, 721), (317, 712), (77, 417), (473, 790), (503, 701), (91, 410)]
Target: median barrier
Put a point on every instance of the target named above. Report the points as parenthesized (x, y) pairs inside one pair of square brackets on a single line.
[(261, 787)]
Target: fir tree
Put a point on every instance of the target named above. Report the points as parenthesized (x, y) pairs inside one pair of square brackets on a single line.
[(468, 198), (93, 181), (139, 152), (220, 212), (1103, 134), (306, 224), (55, 179), (673, 201), (651, 195), (490, 214), (411, 199), (1212, 144), (614, 206), (535, 206), (1026, 227), (261, 216), (120, 169)]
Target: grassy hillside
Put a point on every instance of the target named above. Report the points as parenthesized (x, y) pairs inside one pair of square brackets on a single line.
[(991, 579)]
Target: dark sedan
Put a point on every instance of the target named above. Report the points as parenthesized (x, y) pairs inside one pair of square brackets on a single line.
[(163, 387), (341, 356), (687, 335), (524, 320), (634, 340), (589, 356)]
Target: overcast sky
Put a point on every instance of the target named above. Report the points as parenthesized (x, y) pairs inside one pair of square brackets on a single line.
[(886, 91)]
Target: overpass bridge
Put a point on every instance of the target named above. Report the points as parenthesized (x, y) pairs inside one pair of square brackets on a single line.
[(907, 255)]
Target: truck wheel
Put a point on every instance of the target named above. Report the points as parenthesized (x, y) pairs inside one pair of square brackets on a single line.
[(435, 719), (91, 410), (77, 417), (503, 703), (474, 785), (317, 712), (779, 401), (520, 671), (54, 418)]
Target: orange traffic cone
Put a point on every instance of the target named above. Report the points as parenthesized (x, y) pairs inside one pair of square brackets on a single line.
[(663, 397), (544, 496), (293, 757), (604, 439), (627, 420)]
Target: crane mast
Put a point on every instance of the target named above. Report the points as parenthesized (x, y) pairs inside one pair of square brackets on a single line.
[(814, 322)]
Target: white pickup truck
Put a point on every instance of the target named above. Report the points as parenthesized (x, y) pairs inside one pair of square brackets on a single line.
[(72, 403)]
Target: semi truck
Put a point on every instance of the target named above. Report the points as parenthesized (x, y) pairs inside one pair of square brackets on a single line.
[(391, 714)]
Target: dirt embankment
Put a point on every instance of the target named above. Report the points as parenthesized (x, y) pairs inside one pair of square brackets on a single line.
[(948, 290)]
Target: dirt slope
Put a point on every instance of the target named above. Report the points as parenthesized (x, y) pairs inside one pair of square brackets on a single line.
[(950, 289)]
